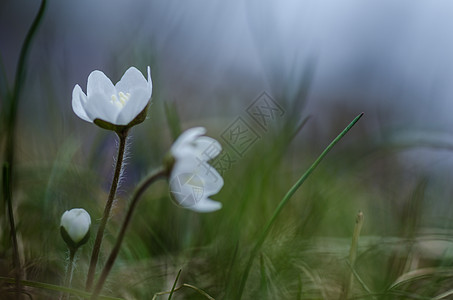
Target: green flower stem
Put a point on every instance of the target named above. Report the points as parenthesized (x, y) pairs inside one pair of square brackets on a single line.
[(108, 206), (161, 173), (69, 271), (7, 171), (283, 202)]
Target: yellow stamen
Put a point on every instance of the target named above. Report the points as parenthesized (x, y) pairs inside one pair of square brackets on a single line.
[(123, 98)]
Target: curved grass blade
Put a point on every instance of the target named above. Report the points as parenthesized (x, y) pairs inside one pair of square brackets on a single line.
[(10, 125), (285, 199), (174, 285), (56, 288), (201, 292)]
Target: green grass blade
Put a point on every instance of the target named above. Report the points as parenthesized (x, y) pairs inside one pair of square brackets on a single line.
[(352, 257), (10, 125), (174, 285), (57, 288), (285, 199), (173, 121)]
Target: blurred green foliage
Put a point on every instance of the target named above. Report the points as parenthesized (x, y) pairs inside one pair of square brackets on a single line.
[(304, 257)]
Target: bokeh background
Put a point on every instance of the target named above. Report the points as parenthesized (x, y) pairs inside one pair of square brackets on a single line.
[(322, 62)]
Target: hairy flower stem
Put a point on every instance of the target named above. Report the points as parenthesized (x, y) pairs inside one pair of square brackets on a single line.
[(108, 206), (10, 127), (285, 199), (159, 174), (69, 271)]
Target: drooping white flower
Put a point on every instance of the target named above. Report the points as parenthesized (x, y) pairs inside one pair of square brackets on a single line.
[(75, 227), (192, 179), (108, 105)]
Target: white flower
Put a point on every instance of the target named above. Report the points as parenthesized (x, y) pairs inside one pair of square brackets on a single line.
[(192, 179), (75, 226), (122, 104)]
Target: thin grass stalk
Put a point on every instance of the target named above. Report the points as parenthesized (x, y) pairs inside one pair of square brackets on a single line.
[(200, 291), (174, 285), (353, 254), (173, 121), (55, 288), (283, 202), (10, 127)]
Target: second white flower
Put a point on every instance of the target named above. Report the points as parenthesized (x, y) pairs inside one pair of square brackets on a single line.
[(192, 179)]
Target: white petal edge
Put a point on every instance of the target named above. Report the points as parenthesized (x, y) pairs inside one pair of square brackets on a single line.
[(150, 83), (138, 100), (79, 99), (205, 206), (185, 139), (131, 80), (213, 181), (99, 83), (206, 148)]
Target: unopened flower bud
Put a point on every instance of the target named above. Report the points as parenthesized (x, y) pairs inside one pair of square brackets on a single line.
[(75, 227)]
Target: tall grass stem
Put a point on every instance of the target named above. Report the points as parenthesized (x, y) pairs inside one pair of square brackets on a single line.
[(283, 202), (174, 285), (353, 254), (10, 127)]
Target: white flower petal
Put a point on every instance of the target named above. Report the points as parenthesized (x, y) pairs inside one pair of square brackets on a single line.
[(76, 222), (180, 146), (192, 179), (189, 164), (131, 80), (186, 189), (118, 105), (79, 100), (205, 206), (97, 108), (206, 148), (202, 147), (213, 181), (139, 98), (150, 83), (100, 84)]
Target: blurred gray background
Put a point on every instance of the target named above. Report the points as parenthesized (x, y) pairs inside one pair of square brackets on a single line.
[(326, 59), (377, 56)]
